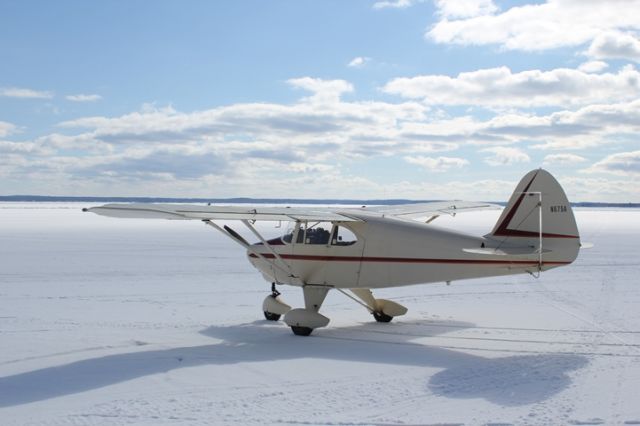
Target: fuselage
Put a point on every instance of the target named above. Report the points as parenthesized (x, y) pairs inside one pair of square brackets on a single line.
[(391, 252)]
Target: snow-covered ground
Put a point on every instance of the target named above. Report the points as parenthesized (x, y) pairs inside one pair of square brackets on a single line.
[(107, 321)]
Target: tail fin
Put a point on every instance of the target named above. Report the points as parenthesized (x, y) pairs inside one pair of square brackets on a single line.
[(538, 208)]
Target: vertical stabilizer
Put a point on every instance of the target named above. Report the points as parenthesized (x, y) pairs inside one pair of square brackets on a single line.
[(539, 209)]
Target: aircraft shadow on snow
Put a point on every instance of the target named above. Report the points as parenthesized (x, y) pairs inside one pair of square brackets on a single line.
[(506, 381)]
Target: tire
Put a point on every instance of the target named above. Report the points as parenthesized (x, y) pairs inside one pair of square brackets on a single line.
[(271, 317), (381, 317), (301, 331)]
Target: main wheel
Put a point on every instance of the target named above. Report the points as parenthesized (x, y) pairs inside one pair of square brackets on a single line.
[(271, 316), (381, 317), (301, 331)]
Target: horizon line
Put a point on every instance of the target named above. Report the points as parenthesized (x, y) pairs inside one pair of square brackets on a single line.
[(246, 200)]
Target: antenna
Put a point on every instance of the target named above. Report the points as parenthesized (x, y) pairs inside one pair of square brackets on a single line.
[(539, 194)]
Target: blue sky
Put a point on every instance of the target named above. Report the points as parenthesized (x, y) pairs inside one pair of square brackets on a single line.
[(311, 99)]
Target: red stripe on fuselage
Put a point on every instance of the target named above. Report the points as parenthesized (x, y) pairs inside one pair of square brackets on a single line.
[(405, 260), (530, 234)]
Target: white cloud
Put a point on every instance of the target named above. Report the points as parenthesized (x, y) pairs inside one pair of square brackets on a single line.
[(295, 134), (499, 87), (455, 188), (504, 156), (437, 164), (323, 90), (83, 98), (615, 45), (593, 66), (166, 161), (563, 159), (307, 136), (358, 62), (588, 126), (360, 129), (16, 92), (6, 129), (30, 148), (600, 189), (307, 142), (552, 24), (465, 8), (623, 163), (309, 168), (394, 4), (371, 126)]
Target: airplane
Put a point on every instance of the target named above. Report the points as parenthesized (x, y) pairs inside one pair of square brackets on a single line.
[(357, 250)]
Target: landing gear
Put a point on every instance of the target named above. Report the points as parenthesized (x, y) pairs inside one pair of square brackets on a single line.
[(271, 317), (273, 307), (301, 331), (382, 317), (383, 310), (304, 321)]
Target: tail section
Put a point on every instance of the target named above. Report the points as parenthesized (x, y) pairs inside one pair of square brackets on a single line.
[(539, 212)]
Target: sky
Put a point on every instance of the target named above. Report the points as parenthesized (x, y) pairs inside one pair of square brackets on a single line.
[(342, 99)]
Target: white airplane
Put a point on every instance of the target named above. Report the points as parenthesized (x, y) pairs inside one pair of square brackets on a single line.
[(355, 250)]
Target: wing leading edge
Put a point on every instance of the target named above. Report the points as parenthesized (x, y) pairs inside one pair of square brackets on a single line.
[(422, 211), (253, 212), (189, 211)]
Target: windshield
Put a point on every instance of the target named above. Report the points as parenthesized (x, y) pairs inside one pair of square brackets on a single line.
[(319, 233)]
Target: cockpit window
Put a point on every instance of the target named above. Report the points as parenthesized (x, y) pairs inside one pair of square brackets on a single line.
[(317, 233), (317, 236), (343, 236), (291, 229)]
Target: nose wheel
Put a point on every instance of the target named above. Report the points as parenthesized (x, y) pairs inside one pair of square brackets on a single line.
[(271, 316), (273, 307), (301, 331)]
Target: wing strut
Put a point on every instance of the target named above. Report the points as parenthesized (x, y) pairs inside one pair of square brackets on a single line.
[(369, 308), (234, 236), (267, 245), (432, 218)]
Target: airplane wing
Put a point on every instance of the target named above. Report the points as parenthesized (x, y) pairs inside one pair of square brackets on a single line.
[(250, 212), (422, 211), (190, 211)]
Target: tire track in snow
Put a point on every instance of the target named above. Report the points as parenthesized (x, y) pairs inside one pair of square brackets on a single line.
[(471, 348)]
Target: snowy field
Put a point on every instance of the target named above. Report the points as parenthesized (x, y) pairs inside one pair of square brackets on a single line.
[(107, 321)]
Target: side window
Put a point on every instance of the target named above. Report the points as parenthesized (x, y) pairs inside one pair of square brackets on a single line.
[(318, 234), (343, 237), (288, 236)]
